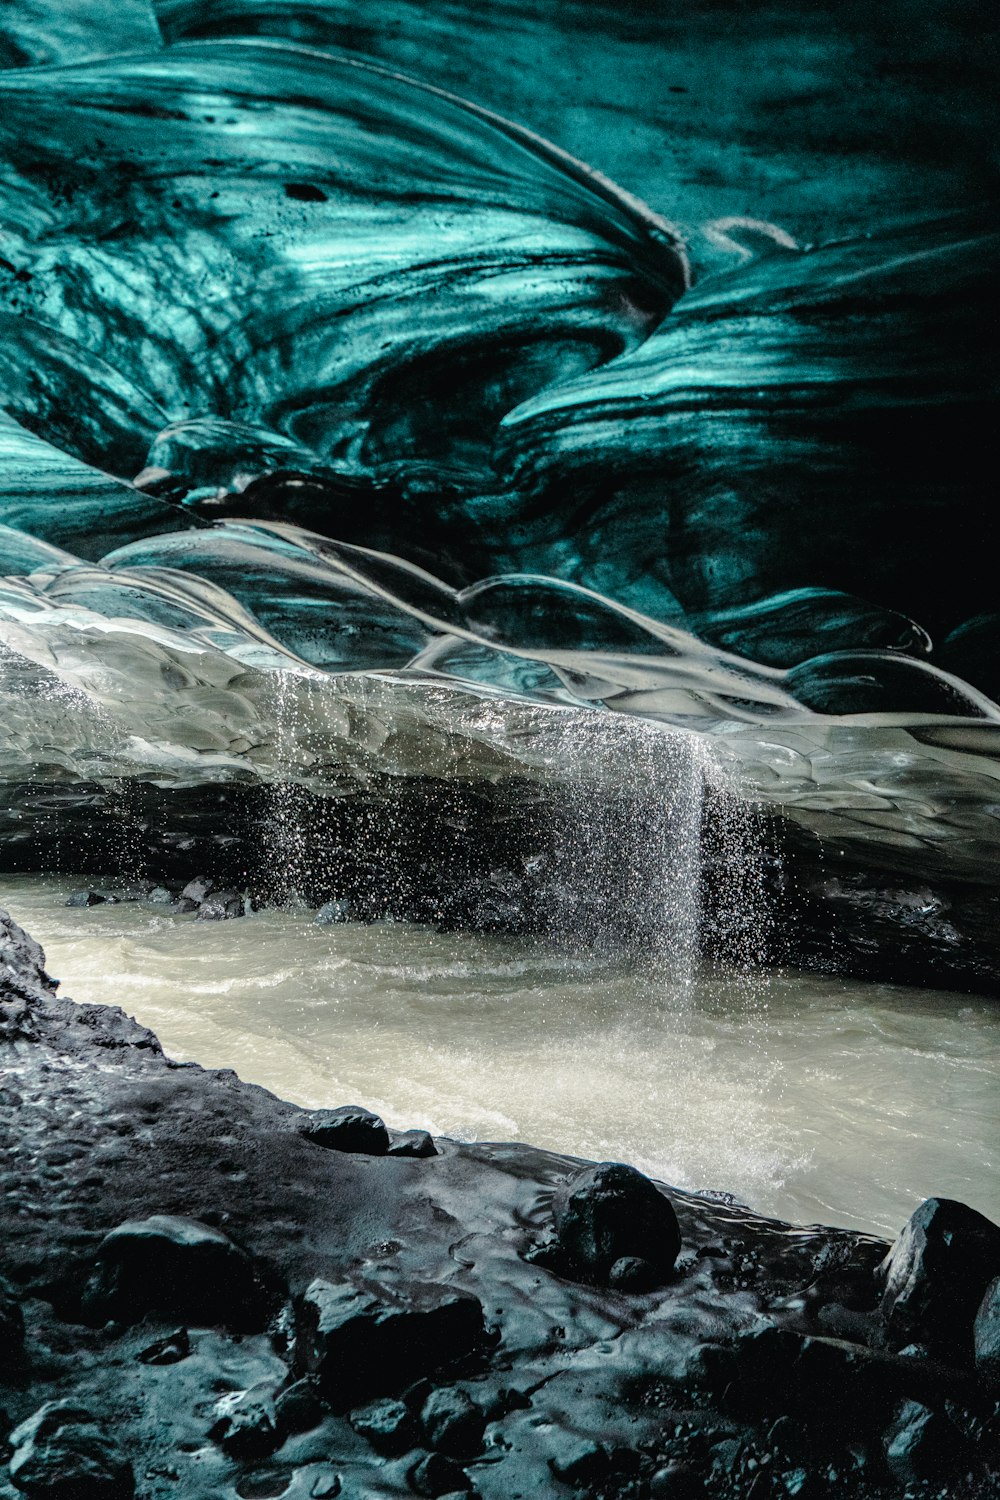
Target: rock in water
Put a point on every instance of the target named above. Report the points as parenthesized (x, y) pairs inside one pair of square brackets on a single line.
[(91, 898), (349, 1128), (60, 1453), (935, 1277), (221, 906), (332, 912), (365, 1340), (611, 1212), (177, 1267)]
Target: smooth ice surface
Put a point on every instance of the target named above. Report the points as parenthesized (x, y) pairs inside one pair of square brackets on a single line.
[(813, 1098), (456, 384)]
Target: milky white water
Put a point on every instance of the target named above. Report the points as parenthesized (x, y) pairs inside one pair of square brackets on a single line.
[(809, 1097)]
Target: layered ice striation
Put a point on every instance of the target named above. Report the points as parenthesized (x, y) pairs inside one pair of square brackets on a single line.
[(352, 431)]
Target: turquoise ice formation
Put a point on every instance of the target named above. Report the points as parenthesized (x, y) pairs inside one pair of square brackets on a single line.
[(346, 423)]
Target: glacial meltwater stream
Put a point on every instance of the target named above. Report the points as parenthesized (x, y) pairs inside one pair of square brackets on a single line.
[(813, 1098)]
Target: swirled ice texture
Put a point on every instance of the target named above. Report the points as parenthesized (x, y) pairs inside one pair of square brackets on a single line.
[(348, 427)]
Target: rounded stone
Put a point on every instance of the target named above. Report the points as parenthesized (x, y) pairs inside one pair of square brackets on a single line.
[(177, 1267), (633, 1274), (611, 1212), (435, 1475), (349, 1128), (60, 1453), (936, 1274), (453, 1423)]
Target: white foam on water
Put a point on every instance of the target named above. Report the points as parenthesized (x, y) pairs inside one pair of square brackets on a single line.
[(810, 1097)]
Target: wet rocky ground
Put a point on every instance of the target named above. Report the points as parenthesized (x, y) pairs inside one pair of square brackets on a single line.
[(208, 1292)]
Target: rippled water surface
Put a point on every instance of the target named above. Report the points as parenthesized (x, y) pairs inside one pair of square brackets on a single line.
[(810, 1097)]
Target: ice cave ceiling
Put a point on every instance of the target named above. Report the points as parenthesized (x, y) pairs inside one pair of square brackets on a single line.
[(349, 423)]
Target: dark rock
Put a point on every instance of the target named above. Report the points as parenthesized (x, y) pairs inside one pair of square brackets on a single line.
[(325, 1487), (300, 1406), (726, 1455), (633, 1274), (388, 1425), (365, 1340), (921, 1443), (176, 1267), (785, 1437), (11, 1325), (222, 906), (168, 1351), (936, 1274), (578, 1460), (196, 890), (802, 1484), (60, 1453), (183, 905), (548, 1253), (986, 1333), (91, 898), (676, 1481), (453, 1423), (413, 1143), (22, 962), (349, 1128), (611, 1212), (710, 1367), (827, 1383), (247, 1424), (436, 1475), (332, 912)]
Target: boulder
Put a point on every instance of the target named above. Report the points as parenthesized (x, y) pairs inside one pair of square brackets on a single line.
[(418, 1143), (364, 1340), (935, 1277), (246, 1423), (300, 1407), (175, 1267), (676, 1481), (333, 912), (578, 1461), (434, 1475), (829, 1383), (387, 1424), (921, 1444), (91, 898), (453, 1423), (349, 1128), (986, 1333), (197, 889), (633, 1274), (61, 1453), (222, 906), (611, 1212)]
